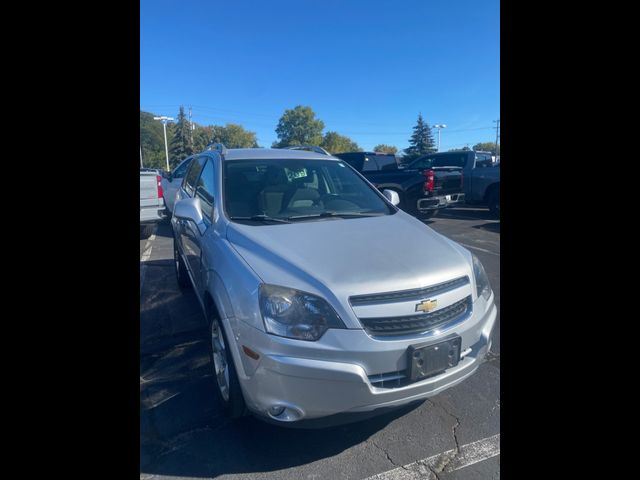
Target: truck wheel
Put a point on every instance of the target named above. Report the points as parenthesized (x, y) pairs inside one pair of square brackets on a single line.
[(182, 277), (429, 214), (147, 229), (494, 203), (224, 372)]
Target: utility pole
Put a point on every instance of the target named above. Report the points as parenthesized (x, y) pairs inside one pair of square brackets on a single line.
[(497, 122), (141, 166), (164, 121)]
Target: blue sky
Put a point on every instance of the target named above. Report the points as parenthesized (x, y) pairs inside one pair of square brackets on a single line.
[(366, 67)]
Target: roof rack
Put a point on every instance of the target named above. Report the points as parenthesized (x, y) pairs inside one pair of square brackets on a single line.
[(312, 148), (218, 147)]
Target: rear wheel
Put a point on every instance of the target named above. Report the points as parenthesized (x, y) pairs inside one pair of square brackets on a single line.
[(224, 371), (182, 277)]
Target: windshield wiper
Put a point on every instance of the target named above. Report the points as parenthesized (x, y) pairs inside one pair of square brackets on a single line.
[(261, 218), (334, 214)]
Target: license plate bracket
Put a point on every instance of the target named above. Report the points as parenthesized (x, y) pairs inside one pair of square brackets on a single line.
[(428, 360)]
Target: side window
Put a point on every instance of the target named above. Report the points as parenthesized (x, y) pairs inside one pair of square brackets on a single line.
[(450, 160), (204, 190), (483, 160), (387, 162), (189, 181), (422, 164), (182, 169), (369, 164)]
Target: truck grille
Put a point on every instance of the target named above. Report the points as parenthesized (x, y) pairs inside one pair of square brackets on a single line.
[(383, 326)]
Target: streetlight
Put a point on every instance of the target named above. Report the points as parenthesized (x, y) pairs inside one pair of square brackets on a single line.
[(440, 126), (164, 124)]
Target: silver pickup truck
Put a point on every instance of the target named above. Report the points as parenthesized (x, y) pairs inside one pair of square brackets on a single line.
[(152, 208), (311, 314)]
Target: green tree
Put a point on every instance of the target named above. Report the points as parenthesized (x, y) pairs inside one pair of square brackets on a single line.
[(333, 142), (202, 137), (299, 126), (385, 148), (181, 146), (421, 140), (233, 136), (487, 147)]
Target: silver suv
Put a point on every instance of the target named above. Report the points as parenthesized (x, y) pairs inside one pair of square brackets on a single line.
[(323, 297)]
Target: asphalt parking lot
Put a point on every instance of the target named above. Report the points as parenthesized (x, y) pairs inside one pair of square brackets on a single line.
[(454, 435)]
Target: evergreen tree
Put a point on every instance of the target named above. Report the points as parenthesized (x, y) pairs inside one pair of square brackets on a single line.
[(421, 141), (180, 147)]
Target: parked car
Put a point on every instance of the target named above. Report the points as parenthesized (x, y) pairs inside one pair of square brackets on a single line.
[(313, 310), (171, 182), (152, 208), (481, 175), (422, 191)]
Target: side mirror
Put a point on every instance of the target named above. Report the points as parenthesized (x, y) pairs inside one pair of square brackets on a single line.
[(189, 209), (392, 196)]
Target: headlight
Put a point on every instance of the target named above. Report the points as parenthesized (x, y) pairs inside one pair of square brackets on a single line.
[(294, 314), (482, 281)]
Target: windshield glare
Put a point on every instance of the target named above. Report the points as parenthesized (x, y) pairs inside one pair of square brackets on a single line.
[(286, 188)]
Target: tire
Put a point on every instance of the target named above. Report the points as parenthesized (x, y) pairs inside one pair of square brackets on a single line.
[(428, 215), (494, 203), (147, 229), (182, 277), (225, 378)]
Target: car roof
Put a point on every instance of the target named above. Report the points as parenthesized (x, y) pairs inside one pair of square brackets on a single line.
[(273, 153)]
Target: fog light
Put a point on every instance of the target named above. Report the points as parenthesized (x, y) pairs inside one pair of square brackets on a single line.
[(276, 410)]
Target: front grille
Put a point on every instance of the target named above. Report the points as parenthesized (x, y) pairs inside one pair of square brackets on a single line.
[(382, 326), (406, 295)]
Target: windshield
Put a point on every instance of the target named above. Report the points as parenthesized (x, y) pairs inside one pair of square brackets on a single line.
[(293, 190)]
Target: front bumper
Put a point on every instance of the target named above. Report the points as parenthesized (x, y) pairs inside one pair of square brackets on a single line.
[(312, 388)]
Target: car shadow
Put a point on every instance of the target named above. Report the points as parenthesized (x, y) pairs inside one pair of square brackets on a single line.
[(467, 214), (183, 431), (489, 226)]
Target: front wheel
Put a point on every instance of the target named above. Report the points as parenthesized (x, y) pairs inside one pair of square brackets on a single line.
[(224, 372)]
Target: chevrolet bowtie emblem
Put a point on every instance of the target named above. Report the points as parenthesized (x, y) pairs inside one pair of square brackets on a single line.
[(426, 305)]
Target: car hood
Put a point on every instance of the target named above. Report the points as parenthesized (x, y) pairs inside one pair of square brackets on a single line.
[(337, 257)]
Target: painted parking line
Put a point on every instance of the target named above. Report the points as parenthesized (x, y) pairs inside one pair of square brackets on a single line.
[(478, 248), (146, 255), (447, 461)]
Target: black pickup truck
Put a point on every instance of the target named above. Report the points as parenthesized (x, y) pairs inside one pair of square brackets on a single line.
[(422, 192)]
